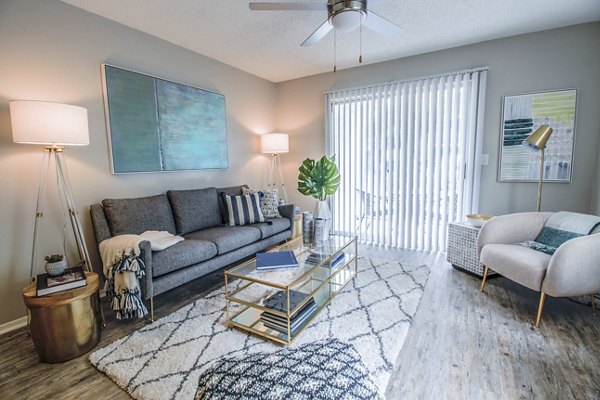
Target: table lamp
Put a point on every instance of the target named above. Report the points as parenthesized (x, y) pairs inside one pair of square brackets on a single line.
[(52, 125), (275, 144), (537, 142)]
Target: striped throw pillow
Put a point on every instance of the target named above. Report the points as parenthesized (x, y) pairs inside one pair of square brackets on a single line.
[(243, 210)]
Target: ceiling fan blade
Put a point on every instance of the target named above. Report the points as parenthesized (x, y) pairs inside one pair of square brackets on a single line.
[(275, 6), (381, 25), (318, 34)]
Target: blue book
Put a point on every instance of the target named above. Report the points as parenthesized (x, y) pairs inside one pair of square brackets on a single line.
[(277, 259)]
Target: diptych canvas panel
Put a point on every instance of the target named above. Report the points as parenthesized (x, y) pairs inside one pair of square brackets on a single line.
[(157, 125)]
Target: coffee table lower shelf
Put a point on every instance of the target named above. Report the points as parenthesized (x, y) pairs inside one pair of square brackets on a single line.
[(323, 285)]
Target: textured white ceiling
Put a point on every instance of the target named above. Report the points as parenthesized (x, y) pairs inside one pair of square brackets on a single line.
[(267, 43)]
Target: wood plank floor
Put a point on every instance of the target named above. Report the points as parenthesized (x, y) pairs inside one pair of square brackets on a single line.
[(462, 344)]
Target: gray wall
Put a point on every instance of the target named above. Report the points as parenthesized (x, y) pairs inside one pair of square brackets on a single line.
[(556, 59), (595, 203), (52, 51)]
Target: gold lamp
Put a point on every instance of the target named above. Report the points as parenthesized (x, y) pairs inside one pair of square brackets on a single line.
[(537, 142)]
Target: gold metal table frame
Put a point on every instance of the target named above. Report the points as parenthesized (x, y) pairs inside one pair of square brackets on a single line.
[(244, 300)]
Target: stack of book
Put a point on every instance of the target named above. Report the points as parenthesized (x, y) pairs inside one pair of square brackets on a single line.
[(276, 260), (334, 261), (278, 301), (70, 279)]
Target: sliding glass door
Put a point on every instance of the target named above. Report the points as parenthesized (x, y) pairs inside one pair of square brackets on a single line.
[(408, 153)]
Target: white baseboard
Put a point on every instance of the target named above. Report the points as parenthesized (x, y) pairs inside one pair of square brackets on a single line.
[(13, 325)]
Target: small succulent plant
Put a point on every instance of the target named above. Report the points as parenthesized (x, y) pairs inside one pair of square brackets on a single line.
[(54, 258)]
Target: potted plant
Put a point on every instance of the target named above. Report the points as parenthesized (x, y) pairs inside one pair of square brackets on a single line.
[(55, 264), (320, 179)]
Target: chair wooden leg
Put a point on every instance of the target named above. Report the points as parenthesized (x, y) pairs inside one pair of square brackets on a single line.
[(593, 304), (151, 309), (485, 274), (540, 308)]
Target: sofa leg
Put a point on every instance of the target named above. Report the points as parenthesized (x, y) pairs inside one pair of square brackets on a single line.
[(151, 309), (485, 273), (540, 308)]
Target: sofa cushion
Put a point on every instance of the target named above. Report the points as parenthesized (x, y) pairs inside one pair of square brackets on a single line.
[(520, 264), (243, 209), (134, 216), (272, 226), (195, 209), (227, 238), (181, 255)]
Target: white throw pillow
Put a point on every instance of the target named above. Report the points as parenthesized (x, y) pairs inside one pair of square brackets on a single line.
[(269, 201)]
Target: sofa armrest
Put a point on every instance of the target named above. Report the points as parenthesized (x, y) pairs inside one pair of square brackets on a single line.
[(146, 256), (287, 211), (99, 223), (512, 228), (574, 269)]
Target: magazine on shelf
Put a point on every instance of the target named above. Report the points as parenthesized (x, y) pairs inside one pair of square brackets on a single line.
[(315, 258), (296, 322), (278, 300), (70, 279), (275, 260), (298, 315), (294, 328)]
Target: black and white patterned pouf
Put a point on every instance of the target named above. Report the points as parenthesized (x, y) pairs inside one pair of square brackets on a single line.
[(328, 369)]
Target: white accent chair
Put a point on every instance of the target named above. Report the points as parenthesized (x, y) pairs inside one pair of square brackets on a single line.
[(573, 270)]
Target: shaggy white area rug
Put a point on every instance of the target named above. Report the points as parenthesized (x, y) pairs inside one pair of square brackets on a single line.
[(165, 359)]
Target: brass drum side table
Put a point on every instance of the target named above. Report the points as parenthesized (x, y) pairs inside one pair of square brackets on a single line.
[(66, 324)]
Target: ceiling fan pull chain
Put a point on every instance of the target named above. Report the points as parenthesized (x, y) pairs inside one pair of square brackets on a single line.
[(334, 51), (360, 44)]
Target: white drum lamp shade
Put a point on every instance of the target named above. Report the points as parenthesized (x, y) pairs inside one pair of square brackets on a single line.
[(274, 143), (47, 123)]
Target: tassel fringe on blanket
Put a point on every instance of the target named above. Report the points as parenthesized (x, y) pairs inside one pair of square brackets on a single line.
[(126, 302)]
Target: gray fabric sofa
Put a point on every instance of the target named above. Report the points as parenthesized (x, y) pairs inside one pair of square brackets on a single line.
[(198, 215)]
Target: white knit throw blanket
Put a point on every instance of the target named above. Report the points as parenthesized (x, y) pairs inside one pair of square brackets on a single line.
[(123, 268)]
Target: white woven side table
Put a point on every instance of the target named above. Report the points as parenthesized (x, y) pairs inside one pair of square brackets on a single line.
[(462, 248)]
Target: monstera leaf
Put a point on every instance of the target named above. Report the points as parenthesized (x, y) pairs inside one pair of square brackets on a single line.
[(318, 179)]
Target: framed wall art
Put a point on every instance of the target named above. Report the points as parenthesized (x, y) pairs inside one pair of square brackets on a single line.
[(521, 116), (156, 125)]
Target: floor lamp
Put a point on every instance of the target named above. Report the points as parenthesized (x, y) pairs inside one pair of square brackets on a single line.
[(275, 144), (537, 142), (54, 126)]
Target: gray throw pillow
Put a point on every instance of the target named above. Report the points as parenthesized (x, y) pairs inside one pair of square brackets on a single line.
[(327, 369)]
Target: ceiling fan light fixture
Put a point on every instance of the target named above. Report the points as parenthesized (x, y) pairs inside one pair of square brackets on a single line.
[(347, 21)]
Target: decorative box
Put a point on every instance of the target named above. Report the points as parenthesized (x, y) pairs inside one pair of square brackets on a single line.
[(462, 248)]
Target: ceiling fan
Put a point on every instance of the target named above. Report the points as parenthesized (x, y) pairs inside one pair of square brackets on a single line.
[(343, 15)]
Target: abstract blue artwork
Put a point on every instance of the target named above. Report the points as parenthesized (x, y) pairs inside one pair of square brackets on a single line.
[(157, 125)]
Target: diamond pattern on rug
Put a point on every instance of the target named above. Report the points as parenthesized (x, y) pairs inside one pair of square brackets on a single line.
[(166, 358), (324, 370)]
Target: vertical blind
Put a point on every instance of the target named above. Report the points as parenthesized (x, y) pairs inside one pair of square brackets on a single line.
[(408, 154)]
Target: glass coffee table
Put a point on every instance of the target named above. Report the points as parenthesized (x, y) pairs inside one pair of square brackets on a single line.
[(279, 304)]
